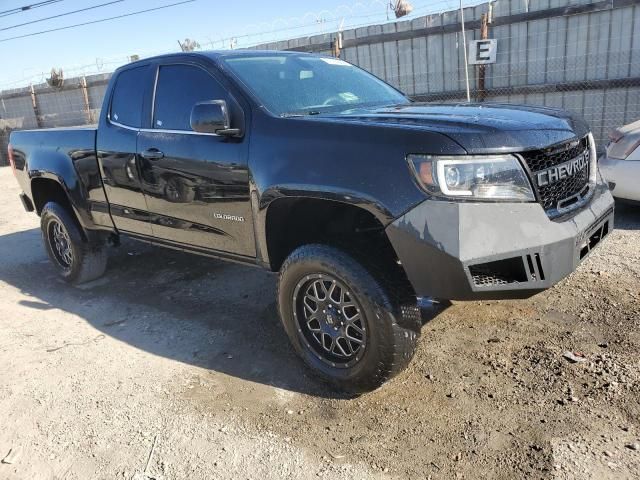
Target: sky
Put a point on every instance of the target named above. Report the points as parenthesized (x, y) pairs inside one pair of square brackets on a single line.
[(102, 47)]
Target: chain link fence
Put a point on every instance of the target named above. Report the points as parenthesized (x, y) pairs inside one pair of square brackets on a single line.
[(582, 56), (579, 55)]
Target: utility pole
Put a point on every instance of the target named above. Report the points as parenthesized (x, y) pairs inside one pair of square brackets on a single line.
[(482, 69), (466, 61)]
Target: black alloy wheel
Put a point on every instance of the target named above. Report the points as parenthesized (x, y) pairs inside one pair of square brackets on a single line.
[(330, 319), (79, 256), (346, 324), (61, 243)]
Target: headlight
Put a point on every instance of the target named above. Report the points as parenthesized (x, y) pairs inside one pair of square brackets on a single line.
[(474, 177), (621, 146)]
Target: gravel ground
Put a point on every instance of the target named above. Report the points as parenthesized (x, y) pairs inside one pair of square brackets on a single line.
[(173, 366)]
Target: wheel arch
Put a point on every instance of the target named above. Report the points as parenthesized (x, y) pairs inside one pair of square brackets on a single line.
[(53, 172), (48, 188), (293, 221), (45, 189)]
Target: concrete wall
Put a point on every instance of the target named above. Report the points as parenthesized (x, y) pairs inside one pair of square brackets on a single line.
[(581, 55), (70, 105)]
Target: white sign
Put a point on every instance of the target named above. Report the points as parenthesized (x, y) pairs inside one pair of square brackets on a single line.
[(482, 52)]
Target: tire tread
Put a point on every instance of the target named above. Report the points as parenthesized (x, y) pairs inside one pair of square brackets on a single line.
[(397, 353), (92, 255)]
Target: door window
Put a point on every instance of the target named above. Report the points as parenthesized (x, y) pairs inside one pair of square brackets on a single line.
[(128, 93), (179, 88)]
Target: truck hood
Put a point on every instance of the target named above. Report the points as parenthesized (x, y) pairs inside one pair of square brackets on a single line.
[(478, 128)]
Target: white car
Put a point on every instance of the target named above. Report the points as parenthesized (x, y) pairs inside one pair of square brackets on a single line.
[(620, 166)]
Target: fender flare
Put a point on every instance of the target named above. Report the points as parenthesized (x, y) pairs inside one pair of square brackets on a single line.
[(261, 205), (58, 167)]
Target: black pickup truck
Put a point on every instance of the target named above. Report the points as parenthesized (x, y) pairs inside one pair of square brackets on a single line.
[(363, 201)]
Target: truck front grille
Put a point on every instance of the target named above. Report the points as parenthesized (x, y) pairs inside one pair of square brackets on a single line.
[(561, 193)]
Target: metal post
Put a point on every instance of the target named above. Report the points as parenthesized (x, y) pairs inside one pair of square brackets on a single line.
[(336, 45), (466, 62), (85, 99), (482, 69), (34, 104)]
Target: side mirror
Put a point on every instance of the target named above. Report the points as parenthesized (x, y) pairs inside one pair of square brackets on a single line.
[(212, 117)]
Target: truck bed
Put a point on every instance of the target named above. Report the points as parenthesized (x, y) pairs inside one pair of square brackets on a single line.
[(66, 155)]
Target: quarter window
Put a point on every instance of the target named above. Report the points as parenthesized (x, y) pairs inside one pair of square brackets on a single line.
[(179, 88), (128, 93)]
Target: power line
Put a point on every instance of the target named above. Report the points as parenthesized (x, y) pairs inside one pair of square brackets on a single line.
[(25, 8), (96, 21), (60, 15)]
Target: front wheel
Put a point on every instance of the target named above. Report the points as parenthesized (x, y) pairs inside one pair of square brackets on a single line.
[(342, 321), (76, 259)]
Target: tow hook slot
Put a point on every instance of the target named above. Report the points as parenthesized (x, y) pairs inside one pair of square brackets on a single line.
[(594, 239), (535, 270)]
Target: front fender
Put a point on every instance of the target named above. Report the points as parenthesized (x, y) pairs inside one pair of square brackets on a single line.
[(261, 207), (322, 192)]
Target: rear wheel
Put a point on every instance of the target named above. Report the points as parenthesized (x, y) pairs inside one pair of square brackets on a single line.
[(76, 259), (343, 322)]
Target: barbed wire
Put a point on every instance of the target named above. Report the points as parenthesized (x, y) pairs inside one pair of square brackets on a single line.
[(340, 18), (259, 36), (103, 65), (594, 73), (98, 65)]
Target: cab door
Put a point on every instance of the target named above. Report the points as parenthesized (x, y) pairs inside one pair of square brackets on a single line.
[(117, 147), (196, 185)]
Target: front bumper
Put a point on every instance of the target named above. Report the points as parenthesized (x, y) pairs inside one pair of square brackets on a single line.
[(623, 176), (472, 251)]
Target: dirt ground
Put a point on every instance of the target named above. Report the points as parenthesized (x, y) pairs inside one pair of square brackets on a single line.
[(173, 367)]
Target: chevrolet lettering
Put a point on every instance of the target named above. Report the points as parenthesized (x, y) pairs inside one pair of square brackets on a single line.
[(568, 169), (364, 203)]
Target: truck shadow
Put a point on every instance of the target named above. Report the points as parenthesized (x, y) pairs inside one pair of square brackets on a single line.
[(202, 312), (627, 216)]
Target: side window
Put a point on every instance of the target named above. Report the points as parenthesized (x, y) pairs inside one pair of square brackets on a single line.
[(179, 88), (128, 93)]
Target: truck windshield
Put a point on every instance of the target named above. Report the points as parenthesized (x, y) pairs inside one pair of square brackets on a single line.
[(306, 85)]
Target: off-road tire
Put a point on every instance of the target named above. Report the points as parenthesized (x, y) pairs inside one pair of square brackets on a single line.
[(89, 258), (391, 338)]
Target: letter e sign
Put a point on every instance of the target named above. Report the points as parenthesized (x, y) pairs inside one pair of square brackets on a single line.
[(482, 52)]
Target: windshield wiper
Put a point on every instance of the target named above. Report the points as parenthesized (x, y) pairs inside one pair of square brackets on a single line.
[(299, 114)]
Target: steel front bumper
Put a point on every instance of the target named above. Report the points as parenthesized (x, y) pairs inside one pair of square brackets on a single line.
[(467, 251)]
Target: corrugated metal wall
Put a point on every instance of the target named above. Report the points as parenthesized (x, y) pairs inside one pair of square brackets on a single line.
[(581, 55)]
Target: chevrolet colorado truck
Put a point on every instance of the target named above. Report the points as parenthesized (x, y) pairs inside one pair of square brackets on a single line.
[(364, 201)]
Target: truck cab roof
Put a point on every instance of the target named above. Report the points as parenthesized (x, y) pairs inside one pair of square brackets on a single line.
[(217, 54)]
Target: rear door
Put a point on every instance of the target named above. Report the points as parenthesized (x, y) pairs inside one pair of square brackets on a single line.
[(117, 149), (196, 185)]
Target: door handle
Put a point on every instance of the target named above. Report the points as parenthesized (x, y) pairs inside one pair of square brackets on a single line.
[(152, 154)]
